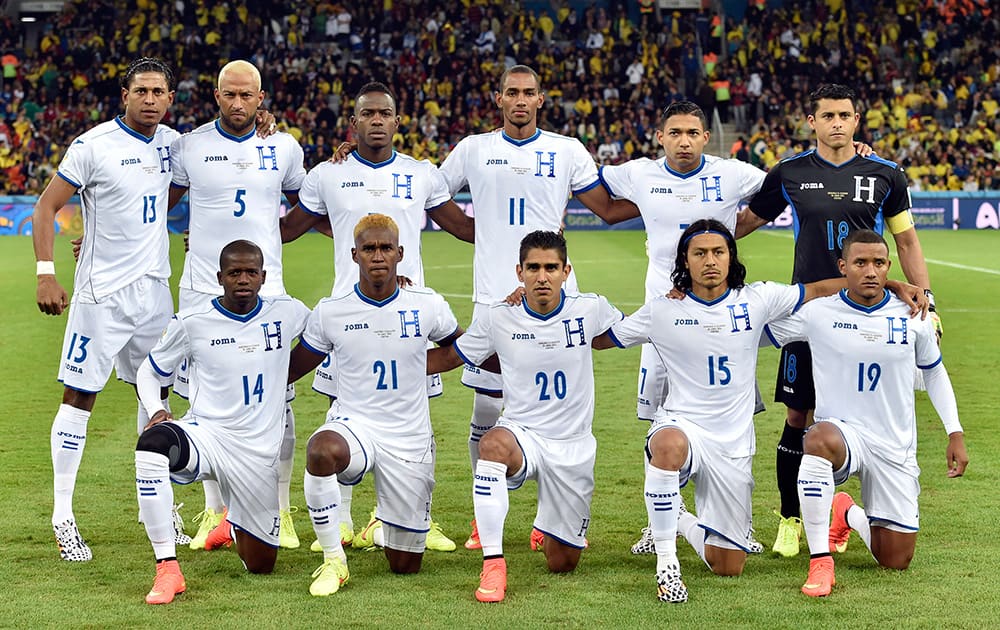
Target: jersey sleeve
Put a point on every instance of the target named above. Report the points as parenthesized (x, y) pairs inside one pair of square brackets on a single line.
[(77, 165), (784, 330), (440, 193), (172, 348), (634, 329), (928, 353), (780, 299), (584, 174), (607, 314), (476, 345), (300, 315), (311, 192), (180, 177), (751, 180), (314, 335), (297, 172), (618, 180), (453, 167), (445, 323), (898, 199), (770, 200)]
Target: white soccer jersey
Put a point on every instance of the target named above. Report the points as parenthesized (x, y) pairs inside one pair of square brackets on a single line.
[(863, 360), (517, 186), (670, 201), (710, 352), (545, 360), (401, 187), (123, 179), (381, 354), (234, 189), (242, 365)]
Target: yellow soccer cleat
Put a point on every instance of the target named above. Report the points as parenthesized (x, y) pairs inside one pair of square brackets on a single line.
[(329, 577), (786, 543), (287, 538), (437, 541), (207, 520)]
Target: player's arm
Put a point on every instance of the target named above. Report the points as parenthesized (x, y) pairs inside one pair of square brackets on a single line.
[(942, 396), (442, 359), (603, 341), (911, 259), (149, 385), (176, 194), (454, 221), (50, 295), (304, 359), (297, 222), (747, 221), (610, 210)]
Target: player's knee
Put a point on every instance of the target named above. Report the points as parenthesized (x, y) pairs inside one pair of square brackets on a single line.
[(497, 445), (403, 563), (260, 564), (668, 449), (897, 559), (562, 562), (327, 453), (823, 440)]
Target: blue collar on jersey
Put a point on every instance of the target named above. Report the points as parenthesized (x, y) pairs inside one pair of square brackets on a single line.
[(707, 303), (684, 175), (229, 136), (521, 143), (865, 309), (358, 157), (235, 316), (368, 300), (132, 132), (550, 314)]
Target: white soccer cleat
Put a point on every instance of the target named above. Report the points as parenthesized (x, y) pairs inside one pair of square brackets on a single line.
[(180, 538), (71, 545)]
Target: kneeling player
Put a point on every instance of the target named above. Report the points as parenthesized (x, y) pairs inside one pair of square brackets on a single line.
[(240, 344), (864, 349), (377, 334)]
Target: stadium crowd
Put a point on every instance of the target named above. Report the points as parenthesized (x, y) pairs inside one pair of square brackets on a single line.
[(926, 72)]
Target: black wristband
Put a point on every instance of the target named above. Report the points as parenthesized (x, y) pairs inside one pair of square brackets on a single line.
[(930, 298)]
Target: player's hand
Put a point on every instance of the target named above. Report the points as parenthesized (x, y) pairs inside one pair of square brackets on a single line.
[(342, 152), (862, 149), (51, 297), (403, 282), (160, 416), (676, 294), (938, 327), (266, 123), (187, 237), (958, 458), (77, 245), (516, 297), (914, 297)]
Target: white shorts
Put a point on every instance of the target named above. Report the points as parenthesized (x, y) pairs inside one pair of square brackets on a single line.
[(564, 470), (652, 387), (403, 487), (249, 483), (889, 489), (325, 379), (119, 331), (723, 485)]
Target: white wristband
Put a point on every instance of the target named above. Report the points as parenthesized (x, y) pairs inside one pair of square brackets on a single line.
[(45, 268)]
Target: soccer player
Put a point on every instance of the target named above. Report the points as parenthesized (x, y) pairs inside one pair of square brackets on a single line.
[(377, 333), (121, 300), (865, 348), (374, 175), (704, 431), (232, 433), (521, 179), (234, 180), (544, 433), (832, 192)]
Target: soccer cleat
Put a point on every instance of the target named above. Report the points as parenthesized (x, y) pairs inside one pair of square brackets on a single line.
[(473, 541), (437, 541), (71, 545), (346, 538), (169, 583), (840, 531), (669, 585), (329, 577), (180, 538), (221, 536), (207, 520), (366, 537), (753, 545), (645, 543), (287, 538), (786, 543), (537, 540), (821, 579), (492, 581)]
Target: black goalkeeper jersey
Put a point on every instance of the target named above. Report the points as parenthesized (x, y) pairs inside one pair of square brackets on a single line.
[(828, 202)]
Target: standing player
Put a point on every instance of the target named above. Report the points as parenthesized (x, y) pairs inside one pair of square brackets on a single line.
[(545, 432), (235, 181), (377, 333), (865, 349), (521, 179), (240, 344), (832, 192), (375, 176), (121, 301)]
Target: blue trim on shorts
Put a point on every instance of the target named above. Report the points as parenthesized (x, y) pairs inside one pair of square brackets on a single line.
[(560, 540), (872, 518), (405, 529), (237, 526), (77, 389), (709, 530)]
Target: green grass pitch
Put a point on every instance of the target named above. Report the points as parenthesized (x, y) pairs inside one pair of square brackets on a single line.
[(950, 583)]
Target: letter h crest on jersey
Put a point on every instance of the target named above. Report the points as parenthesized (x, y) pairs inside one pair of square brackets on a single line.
[(272, 340)]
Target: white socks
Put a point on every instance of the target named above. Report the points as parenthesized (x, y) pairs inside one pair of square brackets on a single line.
[(346, 495), (213, 496), (323, 501), (286, 457), (662, 496), (485, 411), (67, 439), (156, 501), (491, 502), (816, 498)]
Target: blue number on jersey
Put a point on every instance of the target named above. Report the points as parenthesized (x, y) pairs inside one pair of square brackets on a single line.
[(239, 202), (558, 385), (842, 231), (81, 348), (873, 373), (149, 209), (257, 391), (723, 371), (379, 369)]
